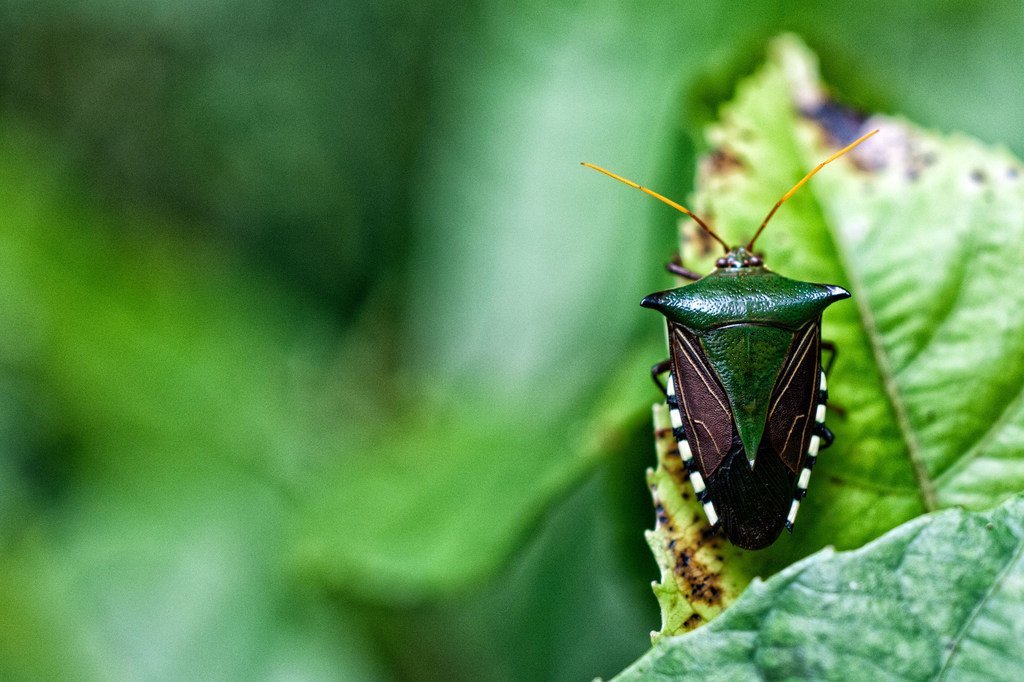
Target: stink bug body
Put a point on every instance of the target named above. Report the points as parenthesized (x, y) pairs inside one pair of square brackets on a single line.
[(746, 389)]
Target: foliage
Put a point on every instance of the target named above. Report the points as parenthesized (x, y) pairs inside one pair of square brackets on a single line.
[(937, 598), (322, 357), (905, 443)]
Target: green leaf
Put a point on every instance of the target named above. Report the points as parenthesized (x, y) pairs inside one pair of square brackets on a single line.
[(931, 349), (941, 597)]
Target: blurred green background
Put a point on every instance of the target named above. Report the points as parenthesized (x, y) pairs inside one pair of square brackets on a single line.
[(322, 357)]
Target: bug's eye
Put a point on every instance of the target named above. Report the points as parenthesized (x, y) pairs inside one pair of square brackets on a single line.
[(721, 263), (755, 261)]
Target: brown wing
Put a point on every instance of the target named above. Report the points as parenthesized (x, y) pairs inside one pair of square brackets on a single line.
[(703, 403), (791, 409)]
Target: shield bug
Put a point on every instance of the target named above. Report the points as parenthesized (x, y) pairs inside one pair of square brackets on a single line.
[(746, 389)]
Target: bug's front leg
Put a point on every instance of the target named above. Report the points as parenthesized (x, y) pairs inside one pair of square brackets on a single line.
[(822, 432), (833, 351), (656, 371), (675, 266), (833, 354)]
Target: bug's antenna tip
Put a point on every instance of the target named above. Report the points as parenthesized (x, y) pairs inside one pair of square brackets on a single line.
[(787, 195), (678, 207)]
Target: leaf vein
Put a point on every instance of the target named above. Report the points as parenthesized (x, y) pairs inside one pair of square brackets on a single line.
[(885, 369), (962, 633)]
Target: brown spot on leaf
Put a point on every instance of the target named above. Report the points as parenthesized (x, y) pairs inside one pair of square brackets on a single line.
[(702, 243), (722, 161), (673, 466), (702, 584)]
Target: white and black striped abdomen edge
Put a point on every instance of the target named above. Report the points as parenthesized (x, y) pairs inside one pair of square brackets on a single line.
[(696, 480)]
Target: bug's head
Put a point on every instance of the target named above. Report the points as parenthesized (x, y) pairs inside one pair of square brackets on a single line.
[(739, 257)]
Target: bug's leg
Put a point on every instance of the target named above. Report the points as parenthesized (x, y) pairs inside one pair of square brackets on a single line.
[(824, 434), (821, 436), (675, 266), (833, 354), (655, 373), (826, 371)]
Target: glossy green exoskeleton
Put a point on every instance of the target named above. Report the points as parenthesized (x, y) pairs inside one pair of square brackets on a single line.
[(746, 391)]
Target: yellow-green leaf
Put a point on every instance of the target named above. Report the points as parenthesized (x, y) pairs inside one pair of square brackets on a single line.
[(920, 227)]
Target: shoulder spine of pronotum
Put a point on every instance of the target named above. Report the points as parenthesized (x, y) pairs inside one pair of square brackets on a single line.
[(746, 390)]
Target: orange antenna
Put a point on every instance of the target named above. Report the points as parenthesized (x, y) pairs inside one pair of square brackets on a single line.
[(659, 198), (800, 184)]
